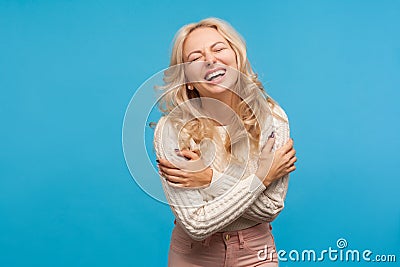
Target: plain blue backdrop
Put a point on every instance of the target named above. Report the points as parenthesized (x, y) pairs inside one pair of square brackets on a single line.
[(68, 70)]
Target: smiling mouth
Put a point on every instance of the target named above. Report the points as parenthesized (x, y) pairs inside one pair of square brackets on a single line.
[(215, 74)]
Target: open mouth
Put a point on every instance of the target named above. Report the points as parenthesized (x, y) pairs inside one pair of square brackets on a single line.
[(215, 74)]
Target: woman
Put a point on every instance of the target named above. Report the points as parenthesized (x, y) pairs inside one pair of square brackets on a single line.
[(223, 151)]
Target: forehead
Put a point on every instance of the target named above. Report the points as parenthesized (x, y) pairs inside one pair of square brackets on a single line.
[(201, 38)]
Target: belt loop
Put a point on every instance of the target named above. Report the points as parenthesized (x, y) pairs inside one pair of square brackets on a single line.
[(241, 240)]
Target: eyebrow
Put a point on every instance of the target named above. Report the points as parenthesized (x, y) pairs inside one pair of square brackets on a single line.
[(199, 51)]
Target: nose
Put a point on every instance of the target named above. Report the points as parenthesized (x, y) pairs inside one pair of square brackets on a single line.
[(210, 58)]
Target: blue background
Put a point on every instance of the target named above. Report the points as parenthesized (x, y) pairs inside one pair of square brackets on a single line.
[(68, 70)]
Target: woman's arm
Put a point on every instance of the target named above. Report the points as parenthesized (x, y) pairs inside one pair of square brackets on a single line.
[(198, 216), (270, 202)]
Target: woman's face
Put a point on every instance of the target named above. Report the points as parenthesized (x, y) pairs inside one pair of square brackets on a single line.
[(211, 65)]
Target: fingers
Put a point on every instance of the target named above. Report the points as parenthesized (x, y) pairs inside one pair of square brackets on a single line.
[(175, 176), (291, 162), (177, 181), (286, 147), (166, 163), (291, 169), (172, 171), (290, 158), (268, 146), (291, 153), (286, 155), (172, 176), (187, 154)]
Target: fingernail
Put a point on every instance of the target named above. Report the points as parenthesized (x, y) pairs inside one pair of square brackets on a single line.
[(272, 135)]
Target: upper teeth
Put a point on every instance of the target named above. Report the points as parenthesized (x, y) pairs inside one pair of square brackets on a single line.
[(213, 74)]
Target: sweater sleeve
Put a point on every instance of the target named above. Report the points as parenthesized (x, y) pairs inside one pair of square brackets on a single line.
[(199, 216), (271, 201)]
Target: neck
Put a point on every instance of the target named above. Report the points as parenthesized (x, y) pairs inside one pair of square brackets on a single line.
[(220, 108)]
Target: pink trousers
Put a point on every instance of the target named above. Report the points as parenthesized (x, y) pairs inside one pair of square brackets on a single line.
[(253, 246)]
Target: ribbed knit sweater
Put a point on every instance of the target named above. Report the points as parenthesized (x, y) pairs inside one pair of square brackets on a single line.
[(233, 200)]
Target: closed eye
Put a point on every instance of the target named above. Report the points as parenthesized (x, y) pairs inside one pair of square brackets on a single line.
[(220, 49), (195, 59)]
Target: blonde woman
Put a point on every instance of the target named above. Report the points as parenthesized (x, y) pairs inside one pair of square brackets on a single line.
[(223, 151)]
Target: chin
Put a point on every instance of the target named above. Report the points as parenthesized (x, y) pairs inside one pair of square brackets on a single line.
[(216, 88)]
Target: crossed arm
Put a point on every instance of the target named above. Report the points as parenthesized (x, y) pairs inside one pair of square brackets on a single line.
[(206, 201)]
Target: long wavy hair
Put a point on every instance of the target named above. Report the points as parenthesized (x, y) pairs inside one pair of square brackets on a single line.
[(253, 100)]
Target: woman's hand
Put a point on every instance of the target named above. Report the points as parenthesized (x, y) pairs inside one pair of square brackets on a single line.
[(274, 165), (186, 175)]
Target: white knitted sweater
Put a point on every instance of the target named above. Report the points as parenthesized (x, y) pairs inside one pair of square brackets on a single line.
[(232, 201)]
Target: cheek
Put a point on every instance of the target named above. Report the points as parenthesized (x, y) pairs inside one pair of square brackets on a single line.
[(230, 58), (193, 72)]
